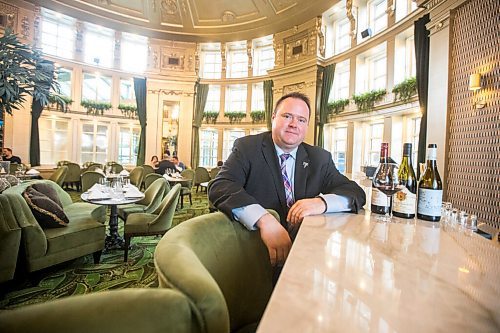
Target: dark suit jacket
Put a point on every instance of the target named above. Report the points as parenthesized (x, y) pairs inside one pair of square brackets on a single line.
[(252, 175), (164, 165)]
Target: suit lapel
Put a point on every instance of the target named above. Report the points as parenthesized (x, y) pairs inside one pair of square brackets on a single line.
[(301, 173), (271, 158)]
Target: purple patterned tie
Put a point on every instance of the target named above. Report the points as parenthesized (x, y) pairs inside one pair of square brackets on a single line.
[(286, 181)]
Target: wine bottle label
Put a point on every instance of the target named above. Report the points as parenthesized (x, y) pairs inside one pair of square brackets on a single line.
[(378, 198), (429, 202), (404, 202)]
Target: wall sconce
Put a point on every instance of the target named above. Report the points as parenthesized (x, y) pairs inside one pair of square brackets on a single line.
[(475, 85)]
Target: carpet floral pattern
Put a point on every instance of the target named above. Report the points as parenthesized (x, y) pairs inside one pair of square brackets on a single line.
[(82, 276)]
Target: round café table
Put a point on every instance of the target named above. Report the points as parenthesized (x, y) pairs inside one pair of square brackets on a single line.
[(113, 240)]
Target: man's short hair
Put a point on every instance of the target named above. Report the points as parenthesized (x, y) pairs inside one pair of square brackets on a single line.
[(8, 149), (297, 95)]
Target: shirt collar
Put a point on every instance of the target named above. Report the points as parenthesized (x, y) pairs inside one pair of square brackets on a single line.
[(280, 151)]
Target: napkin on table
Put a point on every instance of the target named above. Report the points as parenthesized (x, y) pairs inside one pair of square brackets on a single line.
[(97, 194), (124, 173), (32, 172), (133, 192)]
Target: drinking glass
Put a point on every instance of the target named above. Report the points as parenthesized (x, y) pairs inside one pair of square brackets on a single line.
[(386, 180)]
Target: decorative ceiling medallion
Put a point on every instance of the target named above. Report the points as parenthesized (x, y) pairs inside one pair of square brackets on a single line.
[(169, 6), (228, 16)]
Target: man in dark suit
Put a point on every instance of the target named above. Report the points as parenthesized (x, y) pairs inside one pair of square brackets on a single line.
[(302, 182), (164, 165)]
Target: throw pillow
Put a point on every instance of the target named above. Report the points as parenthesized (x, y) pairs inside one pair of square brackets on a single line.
[(47, 213), (48, 191)]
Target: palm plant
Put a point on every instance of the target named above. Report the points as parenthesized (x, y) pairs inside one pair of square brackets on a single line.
[(23, 72)]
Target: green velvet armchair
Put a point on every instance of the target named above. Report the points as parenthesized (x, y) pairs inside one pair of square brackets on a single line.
[(223, 268), (118, 311), (10, 240)]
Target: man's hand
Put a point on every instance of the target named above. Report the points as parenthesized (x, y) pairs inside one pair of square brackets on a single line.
[(305, 207), (275, 237)]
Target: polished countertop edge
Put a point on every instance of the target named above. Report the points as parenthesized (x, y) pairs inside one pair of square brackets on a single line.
[(348, 273)]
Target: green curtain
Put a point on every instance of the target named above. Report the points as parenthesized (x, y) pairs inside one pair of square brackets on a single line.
[(268, 102), (200, 99), (326, 86), (140, 98), (422, 44)]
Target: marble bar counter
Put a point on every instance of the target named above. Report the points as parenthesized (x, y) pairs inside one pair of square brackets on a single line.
[(349, 273)]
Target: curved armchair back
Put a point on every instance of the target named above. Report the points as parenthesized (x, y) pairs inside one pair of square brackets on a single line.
[(89, 178), (149, 179), (223, 268), (153, 196), (59, 175), (201, 175), (136, 176), (214, 172)]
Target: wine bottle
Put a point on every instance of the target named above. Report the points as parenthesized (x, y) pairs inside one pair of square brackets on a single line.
[(403, 203), (430, 189), (379, 199)]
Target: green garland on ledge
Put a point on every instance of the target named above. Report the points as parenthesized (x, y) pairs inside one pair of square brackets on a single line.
[(60, 102), (210, 116), (366, 101), (258, 116), (235, 117), (337, 106), (128, 110), (405, 90), (95, 108)]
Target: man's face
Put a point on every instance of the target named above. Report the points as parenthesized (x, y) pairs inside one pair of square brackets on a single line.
[(5, 152), (290, 123)]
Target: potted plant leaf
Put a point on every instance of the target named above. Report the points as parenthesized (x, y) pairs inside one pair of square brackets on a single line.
[(56, 104), (337, 106), (128, 110), (405, 90), (95, 108), (366, 101), (210, 116), (258, 116), (235, 117)]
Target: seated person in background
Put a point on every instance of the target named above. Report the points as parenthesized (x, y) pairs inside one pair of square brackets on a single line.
[(219, 164), (154, 161), (7, 156), (163, 166), (178, 165)]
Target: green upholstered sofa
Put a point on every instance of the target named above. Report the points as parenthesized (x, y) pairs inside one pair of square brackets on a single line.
[(42, 248), (117, 311), (10, 240), (223, 268)]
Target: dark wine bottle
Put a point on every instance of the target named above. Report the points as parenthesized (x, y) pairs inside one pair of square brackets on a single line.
[(403, 203), (430, 189), (379, 199)]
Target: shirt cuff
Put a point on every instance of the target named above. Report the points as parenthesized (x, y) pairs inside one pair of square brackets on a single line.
[(335, 203), (249, 215)]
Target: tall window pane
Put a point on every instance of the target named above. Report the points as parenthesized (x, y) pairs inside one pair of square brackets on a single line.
[(209, 139), (263, 55), (128, 145), (211, 61), (58, 34), (64, 80), (213, 99), (96, 87), (237, 60), (229, 137), (99, 45), (377, 15), (258, 96), (340, 88), (342, 35), (134, 53), (375, 136), (127, 94), (94, 143), (339, 147), (54, 140), (236, 98)]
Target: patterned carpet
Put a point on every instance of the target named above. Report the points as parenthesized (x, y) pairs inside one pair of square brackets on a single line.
[(81, 276)]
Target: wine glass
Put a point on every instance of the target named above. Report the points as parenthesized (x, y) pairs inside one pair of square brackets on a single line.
[(386, 180)]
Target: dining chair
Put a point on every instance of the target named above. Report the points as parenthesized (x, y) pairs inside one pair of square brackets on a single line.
[(156, 223), (201, 176), (149, 179), (136, 176), (152, 199), (214, 172), (148, 169), (115, 167), (89, 178), (187, 185), (73, 176), (59, 175)]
